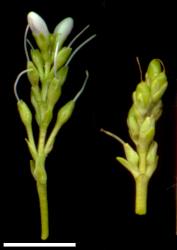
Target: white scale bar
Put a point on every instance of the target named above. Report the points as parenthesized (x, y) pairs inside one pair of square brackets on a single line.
[(39, 244)]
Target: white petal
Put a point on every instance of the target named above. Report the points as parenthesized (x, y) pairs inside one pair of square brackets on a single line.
[(37, 24), (64, 28)]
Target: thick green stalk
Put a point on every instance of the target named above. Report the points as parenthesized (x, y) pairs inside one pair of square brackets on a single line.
[(47, 68), (43, 202), (142, 161), (141, 182), (41, 142), (41, 182), (141, 194)]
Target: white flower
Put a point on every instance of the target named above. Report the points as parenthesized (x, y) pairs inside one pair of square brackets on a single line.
[(37, 24), (64, 28)]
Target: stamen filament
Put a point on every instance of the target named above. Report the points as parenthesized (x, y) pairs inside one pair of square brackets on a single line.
[(83, 86), (78, 48), (17, 80), (25, 42), (113, 136), (78, 35), (55, 59), (30, 44), (139, 66)]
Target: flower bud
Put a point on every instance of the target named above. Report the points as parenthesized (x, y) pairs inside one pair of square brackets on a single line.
[(157, 83), (46, 116), (63, 29), (65, 113), (37, 24), (62, 74), (158, 86), (25, 113), (54, 90), (152, 159), (132, 124), (147, 131), (32, 74), (138, 113), (38, 61), (152, 153), (142, 96), (131, 154), (53, 93), (35, 91), (157, 110), (153, 70), (40, 33), (62, 57)]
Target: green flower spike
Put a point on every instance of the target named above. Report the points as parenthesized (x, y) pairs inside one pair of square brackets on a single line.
[(142, 116), (47, 70)]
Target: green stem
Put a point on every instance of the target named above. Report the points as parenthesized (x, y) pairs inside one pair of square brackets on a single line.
[(141, 194), (31, 138), (42, 193), (51, 139), (41, 182), (142, 161), (41, 142)]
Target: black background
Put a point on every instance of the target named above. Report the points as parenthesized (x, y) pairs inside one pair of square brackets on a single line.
[(91, 196)]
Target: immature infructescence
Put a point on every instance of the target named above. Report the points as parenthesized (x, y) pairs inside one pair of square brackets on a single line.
[(146, 109)]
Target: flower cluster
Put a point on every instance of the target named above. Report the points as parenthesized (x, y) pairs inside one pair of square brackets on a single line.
[(47, 70), (145, 111)]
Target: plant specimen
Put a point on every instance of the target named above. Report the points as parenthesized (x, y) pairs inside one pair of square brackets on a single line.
[(47, 70), (142, 117)]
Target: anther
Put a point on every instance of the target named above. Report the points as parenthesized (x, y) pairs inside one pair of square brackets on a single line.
[(83, 86)]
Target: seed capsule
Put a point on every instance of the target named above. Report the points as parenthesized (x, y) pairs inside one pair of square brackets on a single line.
[(62, 57), (153, 70), (33, 75)]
